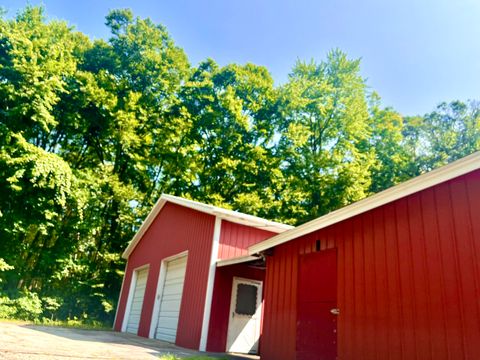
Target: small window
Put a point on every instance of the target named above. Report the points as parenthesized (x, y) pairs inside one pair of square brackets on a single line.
[(317, 245), (246, 299)]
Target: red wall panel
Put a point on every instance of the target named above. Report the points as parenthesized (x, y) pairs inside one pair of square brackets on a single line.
[(236, 238), (222, 294), (408, 279), (175, 230)]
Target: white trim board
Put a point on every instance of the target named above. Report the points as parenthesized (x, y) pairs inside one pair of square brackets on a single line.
[(211, 279), (159, 290), (419, 183), (230, 215), (237, 260)]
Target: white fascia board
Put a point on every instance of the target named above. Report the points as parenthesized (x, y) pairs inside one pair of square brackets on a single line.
[(237, 260), (230, 215), (419, 183)]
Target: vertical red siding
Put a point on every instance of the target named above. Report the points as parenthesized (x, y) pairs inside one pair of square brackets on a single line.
[(175, 230), (222, 294), (408, 279), (236, 238)]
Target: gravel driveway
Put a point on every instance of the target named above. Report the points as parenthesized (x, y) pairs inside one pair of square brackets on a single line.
[(21, 341)]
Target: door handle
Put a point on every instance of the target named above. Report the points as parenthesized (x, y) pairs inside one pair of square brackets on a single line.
[(335, 311)]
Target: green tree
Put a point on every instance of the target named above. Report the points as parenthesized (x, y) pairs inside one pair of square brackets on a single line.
[(35, 59), (117, 140), (324, 132), (395, 157), (450, 132), (83, 130), (230, 143)]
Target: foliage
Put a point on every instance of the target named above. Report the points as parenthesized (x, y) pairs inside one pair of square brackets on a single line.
[(27, 306), (450, 132), (394, 159), (324, 130), (228, 157), (4, 266), (93, 132), (51, 305), (7, 310)]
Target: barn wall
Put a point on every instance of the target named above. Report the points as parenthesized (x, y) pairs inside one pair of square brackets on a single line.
[(236, 238), (222, 294), (175, 230), (408, 279)]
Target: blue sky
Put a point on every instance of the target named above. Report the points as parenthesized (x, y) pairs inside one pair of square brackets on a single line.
[(415, 53)]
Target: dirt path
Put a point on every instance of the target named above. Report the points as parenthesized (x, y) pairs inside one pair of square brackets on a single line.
[(20, 341)]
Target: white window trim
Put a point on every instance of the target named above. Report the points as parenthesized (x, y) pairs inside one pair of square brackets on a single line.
[(131, 291), (211, 279), (159, 291)]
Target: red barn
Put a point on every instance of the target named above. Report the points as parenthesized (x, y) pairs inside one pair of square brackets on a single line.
[(182, 281), (394, 276)]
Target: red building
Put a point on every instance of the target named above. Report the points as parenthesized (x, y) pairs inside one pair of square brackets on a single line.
[(182, 280), (394, 276)]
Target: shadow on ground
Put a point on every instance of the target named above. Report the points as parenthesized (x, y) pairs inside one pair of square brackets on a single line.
[(26, 341)]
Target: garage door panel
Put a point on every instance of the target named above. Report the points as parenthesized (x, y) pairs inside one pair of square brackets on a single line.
[(139, 295), (169, 314), (177, 264), (172, 333), (171, 299), (166, 337), (174, 283), (168, 322), (132, 330), (170, 305), (178, 277), (172, 289), (137, 301)]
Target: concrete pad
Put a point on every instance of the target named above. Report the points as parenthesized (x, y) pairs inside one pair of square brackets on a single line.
[(25, 341)]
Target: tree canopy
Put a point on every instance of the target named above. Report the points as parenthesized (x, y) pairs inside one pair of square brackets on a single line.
[(93, 132)]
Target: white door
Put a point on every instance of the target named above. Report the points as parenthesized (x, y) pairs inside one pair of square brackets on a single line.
[(245, 315), (137, 301), (171, 298)]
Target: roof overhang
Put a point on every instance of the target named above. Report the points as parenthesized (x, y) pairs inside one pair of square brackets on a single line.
[(419, 183), (229, 215), (237, 260)]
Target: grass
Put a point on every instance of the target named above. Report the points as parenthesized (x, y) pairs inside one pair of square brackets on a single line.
[(77, 324)]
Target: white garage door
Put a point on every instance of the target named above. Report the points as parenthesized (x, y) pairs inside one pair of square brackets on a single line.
[(171, 300), (137, 301)]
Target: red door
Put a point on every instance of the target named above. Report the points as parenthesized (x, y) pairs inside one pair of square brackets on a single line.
[(317, 297)]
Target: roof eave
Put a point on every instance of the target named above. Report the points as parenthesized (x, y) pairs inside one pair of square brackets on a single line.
[(237, 260), (419, 183)]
